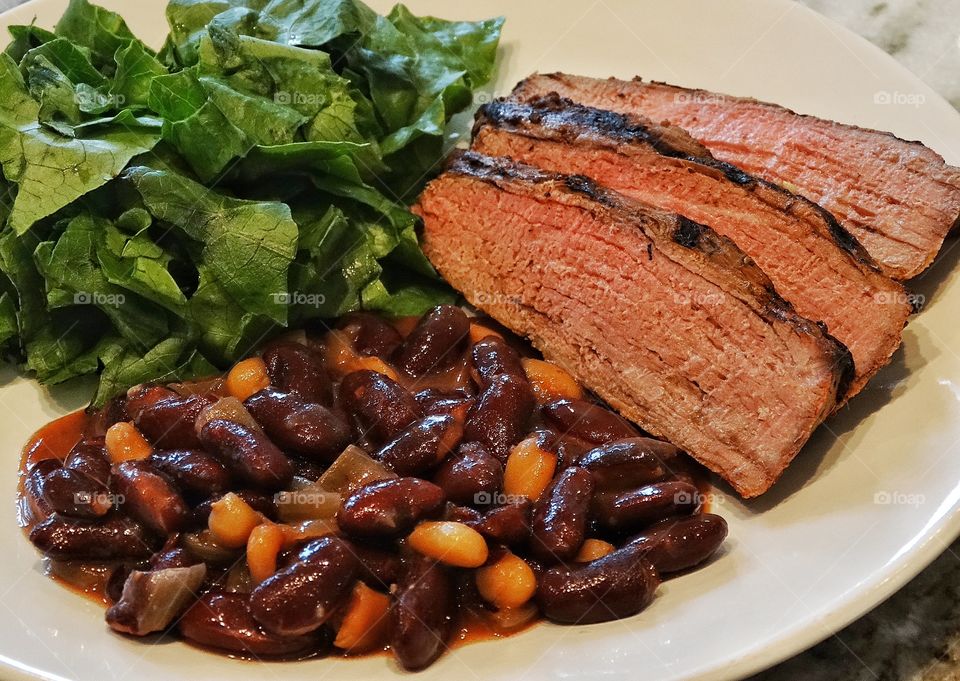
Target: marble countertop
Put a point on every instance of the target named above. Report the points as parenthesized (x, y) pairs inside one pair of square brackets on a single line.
[(914, 636)]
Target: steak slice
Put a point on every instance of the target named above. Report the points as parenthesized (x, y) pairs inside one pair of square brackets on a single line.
[(898, 198), (669, 322), (812, 261)]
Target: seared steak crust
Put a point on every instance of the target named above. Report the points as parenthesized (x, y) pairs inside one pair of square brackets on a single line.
[(813, 262), (668, 321)]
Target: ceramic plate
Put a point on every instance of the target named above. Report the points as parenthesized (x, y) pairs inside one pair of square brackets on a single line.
[(870, 502)]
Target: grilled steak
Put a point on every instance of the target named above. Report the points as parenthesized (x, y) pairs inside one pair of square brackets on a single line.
[(811, 260), (898, 198), (671, 323)]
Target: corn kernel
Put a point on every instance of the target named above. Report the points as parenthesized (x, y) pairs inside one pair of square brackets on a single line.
[(263, 545), (247, 377), (529, 469), (125, 443), (366, 622), (593, 549), (550, 382), (450, 542), (507, 583), (232, 520)]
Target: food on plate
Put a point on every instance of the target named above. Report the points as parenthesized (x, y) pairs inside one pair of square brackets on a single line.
[(387, 485), (164, 212), (813, 263), (670, 323), (898, 198)]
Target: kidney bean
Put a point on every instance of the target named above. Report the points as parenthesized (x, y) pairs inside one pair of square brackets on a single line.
[(142, 396), (435, 402), (193, 470), (499, 418), (308, 470), (223, 620), (174, 557), (618, 585), (99, 420), (250, 455), (436, 343), (508, 524), (302, 427), (371, 335), (570, 450), (379, 568), (676, 544), (80, 488), (38, 506), (388, 509), (381, 406), (461, 514), (626, 464), (628, 511), (301, 597), (421, 446), (422, 612), (295, 368), (116, 538), (560, 516), (494, 357), (471, 476), (588, 421), (169, 423), (150, 498)]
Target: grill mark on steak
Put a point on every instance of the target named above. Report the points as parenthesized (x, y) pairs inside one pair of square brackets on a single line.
[(898, 198), (813, 261), (494, 226)]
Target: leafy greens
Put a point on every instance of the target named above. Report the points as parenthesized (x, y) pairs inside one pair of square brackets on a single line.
[(162, 213)]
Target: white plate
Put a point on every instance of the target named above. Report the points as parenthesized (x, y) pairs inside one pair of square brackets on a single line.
[(870, 502)]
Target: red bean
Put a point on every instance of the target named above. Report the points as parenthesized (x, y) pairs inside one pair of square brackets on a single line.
[(436, 343), (422, 446), (500, 417), (588, 421), (169, 423), (116, 538), (508, 524), (434, 402), (421, 612), (305, 428), (471, 476), (388, 509), (370, 335), (381, 406), (494, 357), (223, 620), (142, 396), (560, 516), (677, 544), (618, 585), (630, 463), (628, 511), (150, 497), (39, 507), (193, 470), (300, 598), (295, 368), (99, 420), (81, 488), (250, 455)]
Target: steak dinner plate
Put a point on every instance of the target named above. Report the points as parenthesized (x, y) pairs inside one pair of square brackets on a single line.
[(871, 500)]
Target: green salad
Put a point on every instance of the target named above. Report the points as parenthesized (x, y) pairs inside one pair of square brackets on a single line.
[(163, 213)]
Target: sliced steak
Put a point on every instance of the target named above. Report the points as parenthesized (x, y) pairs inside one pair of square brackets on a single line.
[(669, 322), (898, 198), (811, 260)]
